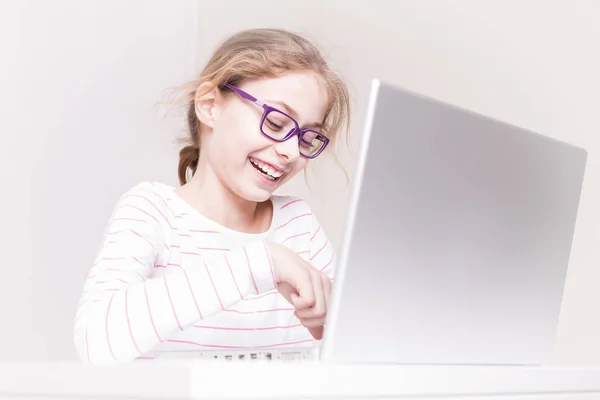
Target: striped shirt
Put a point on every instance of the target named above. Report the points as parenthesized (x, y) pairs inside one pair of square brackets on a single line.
[(169, 279)]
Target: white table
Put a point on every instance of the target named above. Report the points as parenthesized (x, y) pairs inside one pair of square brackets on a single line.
[(306, 380)]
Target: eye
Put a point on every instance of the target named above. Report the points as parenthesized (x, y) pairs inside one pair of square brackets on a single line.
[(307, 144), (272, 125)]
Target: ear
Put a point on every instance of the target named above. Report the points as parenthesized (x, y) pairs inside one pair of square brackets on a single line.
[(206, 101)]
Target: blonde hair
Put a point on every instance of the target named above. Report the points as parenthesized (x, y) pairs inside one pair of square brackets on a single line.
[(263, 53)]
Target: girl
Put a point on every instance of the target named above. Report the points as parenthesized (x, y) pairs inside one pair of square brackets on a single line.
[(221, 262)]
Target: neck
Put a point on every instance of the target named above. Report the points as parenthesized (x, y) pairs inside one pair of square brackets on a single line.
[(206, 193)]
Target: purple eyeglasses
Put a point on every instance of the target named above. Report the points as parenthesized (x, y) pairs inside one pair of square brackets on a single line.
[(279, 127)]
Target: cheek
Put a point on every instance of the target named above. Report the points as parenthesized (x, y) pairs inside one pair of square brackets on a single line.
[(299, 167), (242, 136)]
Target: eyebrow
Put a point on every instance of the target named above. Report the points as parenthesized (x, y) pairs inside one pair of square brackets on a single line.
[(292, 112)]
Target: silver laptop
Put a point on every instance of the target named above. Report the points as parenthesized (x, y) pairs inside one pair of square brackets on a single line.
[(457, 241)]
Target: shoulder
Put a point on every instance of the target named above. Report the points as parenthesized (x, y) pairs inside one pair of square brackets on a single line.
[(290, 205), (151, 199), (293, 214), (146, 192)]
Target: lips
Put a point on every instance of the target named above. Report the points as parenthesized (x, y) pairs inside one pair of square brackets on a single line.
[(267, 170)]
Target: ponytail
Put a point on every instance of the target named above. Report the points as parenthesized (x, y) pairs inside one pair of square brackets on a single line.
[(188, 158), (190, 154)]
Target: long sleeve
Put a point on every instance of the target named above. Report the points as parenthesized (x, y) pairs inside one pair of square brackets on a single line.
[(125, 311), (322, 253)]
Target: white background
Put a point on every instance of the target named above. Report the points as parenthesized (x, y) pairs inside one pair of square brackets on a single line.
[(80, 81)]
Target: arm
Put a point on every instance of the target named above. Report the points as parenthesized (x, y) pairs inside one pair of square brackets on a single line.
[(322, 258), (124, 312)]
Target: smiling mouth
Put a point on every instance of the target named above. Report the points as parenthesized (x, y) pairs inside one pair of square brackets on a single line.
[(266, 170)]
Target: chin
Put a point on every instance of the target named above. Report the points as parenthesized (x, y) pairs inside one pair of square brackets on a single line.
[(255, 194), (259, 199)]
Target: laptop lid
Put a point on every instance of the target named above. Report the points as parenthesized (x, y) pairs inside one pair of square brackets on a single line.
[(458, 238)]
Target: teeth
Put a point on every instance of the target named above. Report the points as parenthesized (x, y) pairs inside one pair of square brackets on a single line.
[(267, 169)]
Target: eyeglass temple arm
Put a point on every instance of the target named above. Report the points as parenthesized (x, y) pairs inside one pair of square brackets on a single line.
[(245, 95)]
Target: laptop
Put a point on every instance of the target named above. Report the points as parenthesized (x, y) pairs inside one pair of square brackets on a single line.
[(457, 242)]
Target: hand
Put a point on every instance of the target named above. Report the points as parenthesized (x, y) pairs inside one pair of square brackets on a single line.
[(306, 288)]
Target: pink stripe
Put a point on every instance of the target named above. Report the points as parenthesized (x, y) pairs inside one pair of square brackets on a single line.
[(172, 305), (250, 269), (160, 266), (191, 291), (143, 265), (217, 346), (129, 324), (213, 285), (303, 252), (317, 231), (184, 235), (135, 233), (330, 261), (296, 217), (232, 276), (201, 231), (106, 326), (317, 253), (178, 216), (295, 236), (150, 314), (163, 200), (270, 265), (261, 296), (153, 205), (212, 248), (87, 346), (175, 246), (112, 280), (189, 253), (107, 259), (268, 328), (139, 209), (130, 219), (259, 311), (290, 203)]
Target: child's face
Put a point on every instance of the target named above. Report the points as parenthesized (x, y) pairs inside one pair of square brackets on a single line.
[(238, 147)]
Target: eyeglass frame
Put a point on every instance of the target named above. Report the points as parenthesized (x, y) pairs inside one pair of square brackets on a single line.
[(296, 131)]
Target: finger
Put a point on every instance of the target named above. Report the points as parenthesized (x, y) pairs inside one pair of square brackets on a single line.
[(295, 300), (319, 309), (312, 322), (305, 293), (317, 333), (286, 290)]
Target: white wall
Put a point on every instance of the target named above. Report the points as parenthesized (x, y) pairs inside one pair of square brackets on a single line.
[(78, 125), (533, 63)]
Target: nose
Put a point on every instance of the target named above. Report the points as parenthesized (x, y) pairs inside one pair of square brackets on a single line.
[(289, 149)]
